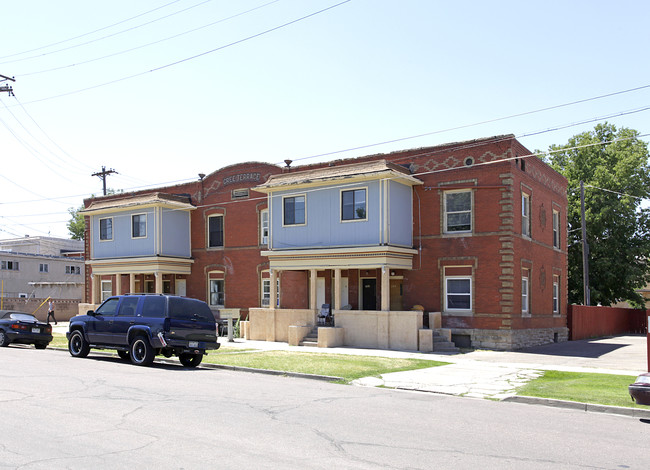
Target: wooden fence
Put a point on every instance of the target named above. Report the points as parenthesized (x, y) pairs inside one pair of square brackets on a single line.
[(592, 322)]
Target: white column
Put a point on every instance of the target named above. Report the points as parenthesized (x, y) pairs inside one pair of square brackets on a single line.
[(96, 290), (118, 284), (132, 283), (337, 289), (313, 275), (159, 282), (385, 288), (273, 295)]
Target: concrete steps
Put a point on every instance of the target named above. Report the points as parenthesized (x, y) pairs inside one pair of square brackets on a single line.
[(442, 344), (311, 339)]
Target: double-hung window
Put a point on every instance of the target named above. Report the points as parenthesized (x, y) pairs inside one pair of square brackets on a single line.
[(10, 265), (353, 204), (458, 293), (525, 214), (215, 231), (458, 211), (139, 226), (525, 295), (556, 296), (217, 292), (293, 210), (556, 229), (264, 227), (266, 292), (106, 229)]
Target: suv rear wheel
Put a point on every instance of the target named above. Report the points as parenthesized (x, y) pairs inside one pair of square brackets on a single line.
[(141, 352), (77, 344), (190, 360)]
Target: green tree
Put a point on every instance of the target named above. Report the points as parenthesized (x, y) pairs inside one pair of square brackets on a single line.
[(616, 176), (76, 224)]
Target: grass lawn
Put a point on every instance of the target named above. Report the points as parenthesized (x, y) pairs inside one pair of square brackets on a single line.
[(348, 367), (602, 389)]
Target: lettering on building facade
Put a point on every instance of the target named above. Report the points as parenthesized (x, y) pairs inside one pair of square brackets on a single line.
[(240, 178)]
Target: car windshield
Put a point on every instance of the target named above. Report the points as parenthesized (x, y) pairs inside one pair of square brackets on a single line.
[(23, 317), (643, 379)]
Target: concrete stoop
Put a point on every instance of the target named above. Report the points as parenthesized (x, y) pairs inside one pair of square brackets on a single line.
[(442, 344), (311, 339)]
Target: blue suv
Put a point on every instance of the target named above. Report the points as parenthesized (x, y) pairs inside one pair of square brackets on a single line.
[(141, 326)]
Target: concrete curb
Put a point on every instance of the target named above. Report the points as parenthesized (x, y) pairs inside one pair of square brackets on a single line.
[(574, 405)]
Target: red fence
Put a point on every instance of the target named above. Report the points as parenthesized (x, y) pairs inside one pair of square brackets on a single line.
[(592, 322)]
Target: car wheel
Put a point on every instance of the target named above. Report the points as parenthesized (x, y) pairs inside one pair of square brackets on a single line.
[(190, 360), (123, 355), (40, 345), (77, 344), (4, 339), (141, 352)]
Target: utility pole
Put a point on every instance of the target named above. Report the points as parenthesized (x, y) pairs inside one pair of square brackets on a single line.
[(103, 174), (7, 88), (585, 250)]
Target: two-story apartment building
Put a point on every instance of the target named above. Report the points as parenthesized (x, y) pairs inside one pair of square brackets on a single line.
[(472, 230), (41, 267)]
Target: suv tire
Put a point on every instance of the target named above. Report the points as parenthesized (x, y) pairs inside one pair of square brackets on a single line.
[(141, 352), (77, 344), (190, 360)]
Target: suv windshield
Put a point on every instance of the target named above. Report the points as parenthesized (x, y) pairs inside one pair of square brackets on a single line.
[(186, 309)]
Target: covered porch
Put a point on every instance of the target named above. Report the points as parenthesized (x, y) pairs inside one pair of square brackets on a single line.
[(363, 288), (159, 275)]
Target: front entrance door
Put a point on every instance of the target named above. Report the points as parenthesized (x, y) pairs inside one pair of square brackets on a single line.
[(396, 295), (369, 294), (181, 287)]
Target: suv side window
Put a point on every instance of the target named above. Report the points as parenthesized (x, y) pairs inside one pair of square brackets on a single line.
[(186, 309), (153, 307), (109, 307), (128, 306)]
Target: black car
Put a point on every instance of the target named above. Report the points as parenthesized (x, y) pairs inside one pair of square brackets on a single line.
[(23, 328), (640, 389), (141, 326)]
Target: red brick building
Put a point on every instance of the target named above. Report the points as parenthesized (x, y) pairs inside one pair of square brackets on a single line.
[(473, 230)]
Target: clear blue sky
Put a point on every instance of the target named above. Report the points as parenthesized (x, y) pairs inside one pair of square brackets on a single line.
[(180, 103)]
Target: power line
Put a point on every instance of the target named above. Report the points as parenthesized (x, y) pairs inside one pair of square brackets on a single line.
[(187, 59), (488, 121), (150, 43), (104, 37), (88, 33)]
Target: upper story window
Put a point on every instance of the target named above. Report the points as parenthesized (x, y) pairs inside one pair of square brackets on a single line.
[(72, 270), (556, 229), (43, 268), (239, 193), (215, 231), (139, 225), (458, 211), (9, 265), (525, 214), (106, 229), (353, 204), (293, 210), (264, 227)]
